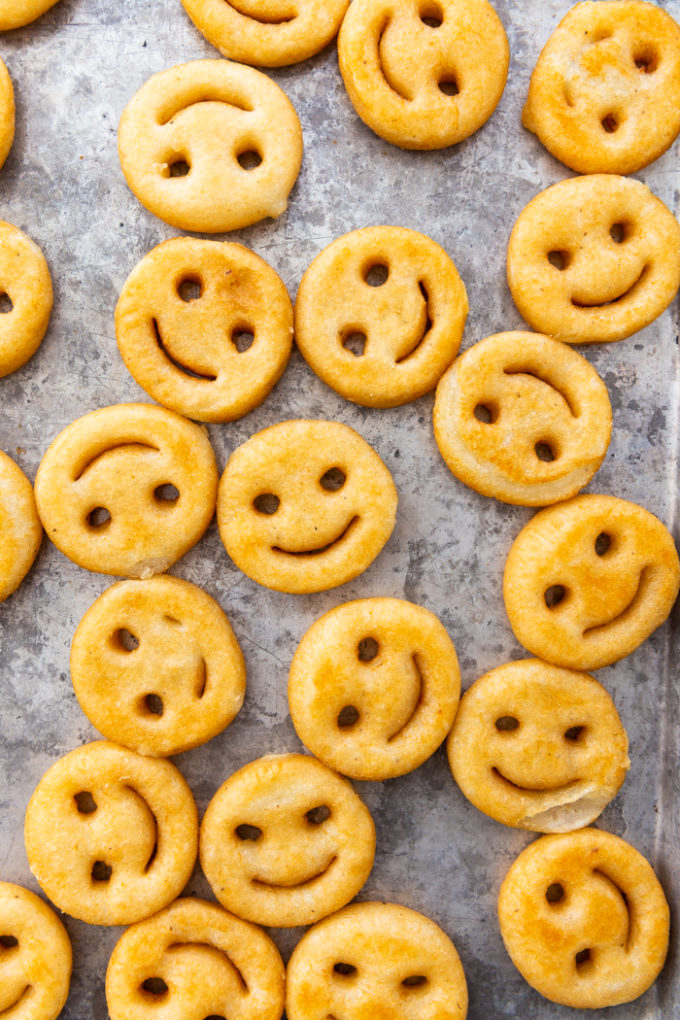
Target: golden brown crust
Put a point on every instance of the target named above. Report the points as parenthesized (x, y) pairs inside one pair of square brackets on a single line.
[(20, 527), (267, 33), (285, 841), (15, 13), (35, 971), (181, 137), (412, 323), (421, 75), (588, 580), (604, 96), (305, 505), (522, 418), (111, 835), (392, 669), (538, 747), (376, 961), (584, 919), (6, 113), (156, 666), (26, 283), (594, 259), (151, 471), (182, 316), (210, 962)]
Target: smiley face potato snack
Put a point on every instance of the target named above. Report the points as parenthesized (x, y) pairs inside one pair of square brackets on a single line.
[(285, 841), (423, 76), (373, 687), (522, 418), (594, 259), (127, 489), (111, 835), (588, 580), (605, 94), (584, 919), (197, 960), (210, 146), (35, 957), (20, 527), (156, 666), (267, 33), (376, 961), (538, 747), (205, 327), (16, 13), (6, 113), (25, 298), (380, 314), (305, 505)]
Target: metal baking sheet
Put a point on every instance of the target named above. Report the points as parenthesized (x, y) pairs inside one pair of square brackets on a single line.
[(74, 70)]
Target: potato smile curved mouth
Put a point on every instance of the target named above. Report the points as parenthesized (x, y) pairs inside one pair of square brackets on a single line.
[(535, 789), (320, 549), (613, 301), (22, 996), (296, 885), (630, 608)]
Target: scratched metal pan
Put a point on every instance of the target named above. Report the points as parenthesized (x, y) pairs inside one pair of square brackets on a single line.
[(74, 70)]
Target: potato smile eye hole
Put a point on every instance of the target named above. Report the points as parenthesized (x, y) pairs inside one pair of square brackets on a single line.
[(574, 733), (190, 288), (124, 640), (559, 259), (85, 802), (448, 85), (166, 493), (545, 452), (582, 958), (8, 941), (347, 717), (375, 274), (318, 815), (6, 305), (414, 981), (250, 832), (345, 969), (486, 413), (554, 595), (610, 123), (603, 543), (646, 61), (619, 232), (98, 518), (152, 704), (507, 723), (355, 343), (554, 893), (154, 986), (431, 14), (101, 871), (178, 167), (249, 159), (267, 503), (243, 338), (367, 649), (333, 479)]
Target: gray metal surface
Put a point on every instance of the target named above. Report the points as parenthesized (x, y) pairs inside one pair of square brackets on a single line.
[(74, 71)]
